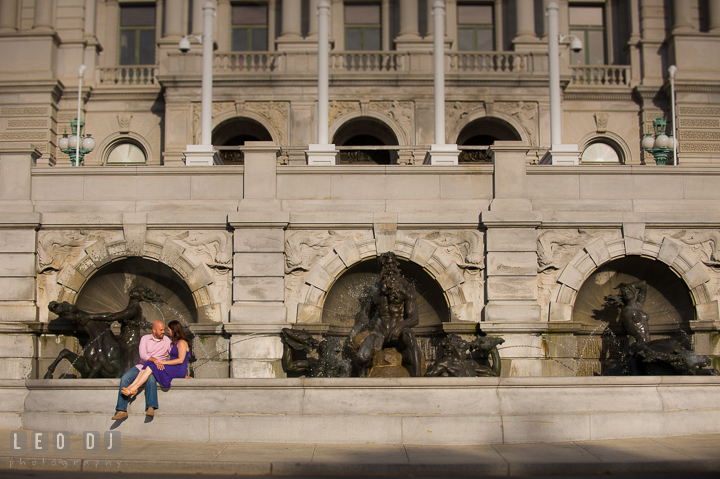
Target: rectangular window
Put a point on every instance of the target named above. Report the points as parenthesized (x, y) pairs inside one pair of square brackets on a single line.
[(137, 34), (250, 27), (587, 22), (362, 27), (475, 27)]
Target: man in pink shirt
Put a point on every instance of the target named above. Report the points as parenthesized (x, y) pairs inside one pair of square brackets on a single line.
[(153, 347)]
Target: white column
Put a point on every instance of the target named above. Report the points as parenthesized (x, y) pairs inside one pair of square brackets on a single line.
[(204, 154), (715, 16), (8, 15), (173, 20), (439, 70), (554, 67), (525, 12), (291, 18), (440, 153), (207, 75), (313, 17), (559, 154), (409, 18), (43, 15), (322, 153), (682, 16), (323, 71)]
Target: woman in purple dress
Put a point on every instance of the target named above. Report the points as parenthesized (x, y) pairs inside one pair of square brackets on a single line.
[(167, 369)]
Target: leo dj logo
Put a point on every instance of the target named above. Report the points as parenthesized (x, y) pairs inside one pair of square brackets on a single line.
[(59, 441)]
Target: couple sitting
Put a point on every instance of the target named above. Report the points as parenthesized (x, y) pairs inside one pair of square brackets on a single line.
[(155, 365)]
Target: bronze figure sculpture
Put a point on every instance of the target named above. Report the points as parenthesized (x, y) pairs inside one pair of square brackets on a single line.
[(395, 314), (454, 361), (105, 355), (327, 364)]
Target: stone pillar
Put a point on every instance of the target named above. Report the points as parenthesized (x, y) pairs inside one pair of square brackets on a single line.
[(43, 19), (291, 28), (258, 268), (525, 12), (682, 17), (197, 17), (313, 17), (173, 20), (715, 16), (8, 16), (408, 19)]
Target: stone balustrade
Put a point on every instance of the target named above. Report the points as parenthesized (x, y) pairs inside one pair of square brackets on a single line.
[(127, 75), (602, 75)]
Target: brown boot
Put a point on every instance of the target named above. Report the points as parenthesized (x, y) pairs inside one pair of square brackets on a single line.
[(150, 412), (120, 415)]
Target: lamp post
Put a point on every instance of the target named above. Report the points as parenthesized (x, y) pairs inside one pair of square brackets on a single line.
[(76, 147), (660, 145), (672, 70)]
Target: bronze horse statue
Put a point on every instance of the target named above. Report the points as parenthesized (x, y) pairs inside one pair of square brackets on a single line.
[(105, 355)]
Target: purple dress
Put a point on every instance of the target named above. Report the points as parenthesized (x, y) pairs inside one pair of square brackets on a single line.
[(165, 376)]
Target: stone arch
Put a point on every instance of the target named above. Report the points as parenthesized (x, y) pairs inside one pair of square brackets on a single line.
[(681, 261), (230, 117), (349, 253), (502, 119), (73, 276), (402, 137)]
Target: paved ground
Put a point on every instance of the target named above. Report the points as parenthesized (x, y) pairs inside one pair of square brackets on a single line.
[(671, 455)]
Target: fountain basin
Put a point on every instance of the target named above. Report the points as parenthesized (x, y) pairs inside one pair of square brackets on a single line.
[(383, 411)]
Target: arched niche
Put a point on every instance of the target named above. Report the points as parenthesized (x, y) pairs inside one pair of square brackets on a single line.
[(366, 131), (235, 132), (668, 302), (482, 133), (107, 290), (350, 297)]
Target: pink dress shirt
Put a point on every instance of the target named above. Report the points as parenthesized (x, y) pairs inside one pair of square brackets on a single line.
[(153, 348)]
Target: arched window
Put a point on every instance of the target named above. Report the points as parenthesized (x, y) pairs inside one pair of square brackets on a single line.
[(235, 132), (365, 132), (601, 153), (126, 152), (483, 132)]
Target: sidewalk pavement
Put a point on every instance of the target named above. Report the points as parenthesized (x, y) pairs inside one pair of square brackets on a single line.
[(695, 454)]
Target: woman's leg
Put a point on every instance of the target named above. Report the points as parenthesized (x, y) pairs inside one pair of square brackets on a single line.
[(140, 379)]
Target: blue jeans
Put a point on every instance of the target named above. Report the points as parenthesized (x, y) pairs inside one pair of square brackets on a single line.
[(151, 399)]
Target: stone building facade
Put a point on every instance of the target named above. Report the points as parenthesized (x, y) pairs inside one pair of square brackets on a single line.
[(259, 243)]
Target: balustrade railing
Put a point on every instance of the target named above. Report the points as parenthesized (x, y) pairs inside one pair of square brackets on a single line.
[(247, 62), (601, 75), (128, 75), (368, 62), (488, 62)]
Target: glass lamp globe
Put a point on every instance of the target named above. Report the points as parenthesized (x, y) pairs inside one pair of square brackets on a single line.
[(73, 141), (648, 142), (63, 143), (88, 143), (662, 141)]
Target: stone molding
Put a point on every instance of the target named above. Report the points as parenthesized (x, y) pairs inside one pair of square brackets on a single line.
[(347, 253), (73, 276), (401, 133), (597, 252)]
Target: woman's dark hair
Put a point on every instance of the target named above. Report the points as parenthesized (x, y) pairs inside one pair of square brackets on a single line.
[(177, 331)]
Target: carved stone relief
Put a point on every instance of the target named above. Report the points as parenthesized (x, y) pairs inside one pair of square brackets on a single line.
[(601, 122), (276, 113), (339, 108), (303, 251), (556, 248), (400, 111), (456, 111), (525, 113)]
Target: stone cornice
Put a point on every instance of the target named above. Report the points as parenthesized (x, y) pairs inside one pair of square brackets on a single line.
[(54, 87)]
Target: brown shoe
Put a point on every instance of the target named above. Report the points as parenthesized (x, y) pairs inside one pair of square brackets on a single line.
[(120, 415), (150, 412)]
